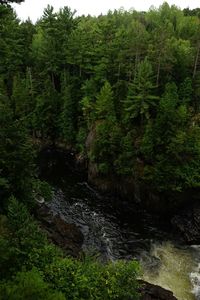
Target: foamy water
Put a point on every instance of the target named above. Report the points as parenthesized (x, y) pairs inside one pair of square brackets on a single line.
[(176, 269)]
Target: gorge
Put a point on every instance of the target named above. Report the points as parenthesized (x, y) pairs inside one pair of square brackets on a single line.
[(115, 229)]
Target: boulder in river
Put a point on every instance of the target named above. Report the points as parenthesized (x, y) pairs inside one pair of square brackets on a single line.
[(67, 236), (150, 291)]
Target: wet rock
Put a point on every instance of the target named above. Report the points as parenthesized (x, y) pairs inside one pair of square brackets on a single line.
[(187, 224), (150, 291), (67, 236), (40, 199)]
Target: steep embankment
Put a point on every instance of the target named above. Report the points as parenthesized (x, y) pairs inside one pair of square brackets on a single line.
[(115, 229)]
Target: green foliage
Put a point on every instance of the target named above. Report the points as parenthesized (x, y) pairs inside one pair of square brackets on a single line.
[(171, 144), (28, 285), (93, 280), (140, 99), (105, 148), (67, 118), (32, 268), (42, 189), (88, 102), (107, 131), (186, 90), (80, 139), (24, 245), (17, 167), (46, 113), (121, 88), (104, 106), (23, 98), (125, 162)]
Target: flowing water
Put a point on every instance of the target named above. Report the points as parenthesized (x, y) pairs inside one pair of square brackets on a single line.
[(177, 270), (116, 231)]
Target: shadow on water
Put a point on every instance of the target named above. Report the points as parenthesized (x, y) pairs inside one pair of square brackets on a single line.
[(117, 229), (60, 170)]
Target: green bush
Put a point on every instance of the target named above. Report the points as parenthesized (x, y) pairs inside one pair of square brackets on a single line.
[(93, 280), (42, 190), (24, 244), (30, 286)]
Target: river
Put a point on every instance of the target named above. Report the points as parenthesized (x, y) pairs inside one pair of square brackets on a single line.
[(113, 231)]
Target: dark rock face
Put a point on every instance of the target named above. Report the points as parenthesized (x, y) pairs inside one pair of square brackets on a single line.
[(187, 224), (154, 292), (67, 236)]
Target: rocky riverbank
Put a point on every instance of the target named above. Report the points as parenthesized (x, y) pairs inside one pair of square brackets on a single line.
[(150, 291), (70, 239), (67, 236), (62, 170)]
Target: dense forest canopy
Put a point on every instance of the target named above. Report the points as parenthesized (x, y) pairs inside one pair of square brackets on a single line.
[(128, 79), (122, 89), (132, 78)]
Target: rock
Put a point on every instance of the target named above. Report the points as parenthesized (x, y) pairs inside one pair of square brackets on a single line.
[(67, 236), (187, 224), (40, 200), (154, 292)]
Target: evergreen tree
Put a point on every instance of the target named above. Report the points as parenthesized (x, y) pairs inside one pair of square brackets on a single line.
[(17, 169), (140, 99), (67, 118), (186, 91), (22, 98), (167, 145), (46, 115), (108, 134), (89, 89), (104, 106)]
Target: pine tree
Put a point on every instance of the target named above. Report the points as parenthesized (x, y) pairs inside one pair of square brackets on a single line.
[(105, 147), (141, 99), (104, 106), (171, 146), (67, 118), (46, 114), (17, 169), (186, 91)]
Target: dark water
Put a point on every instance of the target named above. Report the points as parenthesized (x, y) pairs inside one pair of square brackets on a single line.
[(111, 226), (116, 229), (115, 233)]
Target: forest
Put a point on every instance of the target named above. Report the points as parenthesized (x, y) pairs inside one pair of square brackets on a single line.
[(122, 91)]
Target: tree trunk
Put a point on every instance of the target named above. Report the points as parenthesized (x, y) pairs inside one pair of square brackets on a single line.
[(119, 70), (136, 61), (196, 61), (158, 71)]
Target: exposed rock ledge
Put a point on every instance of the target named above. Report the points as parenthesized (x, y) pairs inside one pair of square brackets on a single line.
[(154, 292), (187, 224), (67, 236)]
